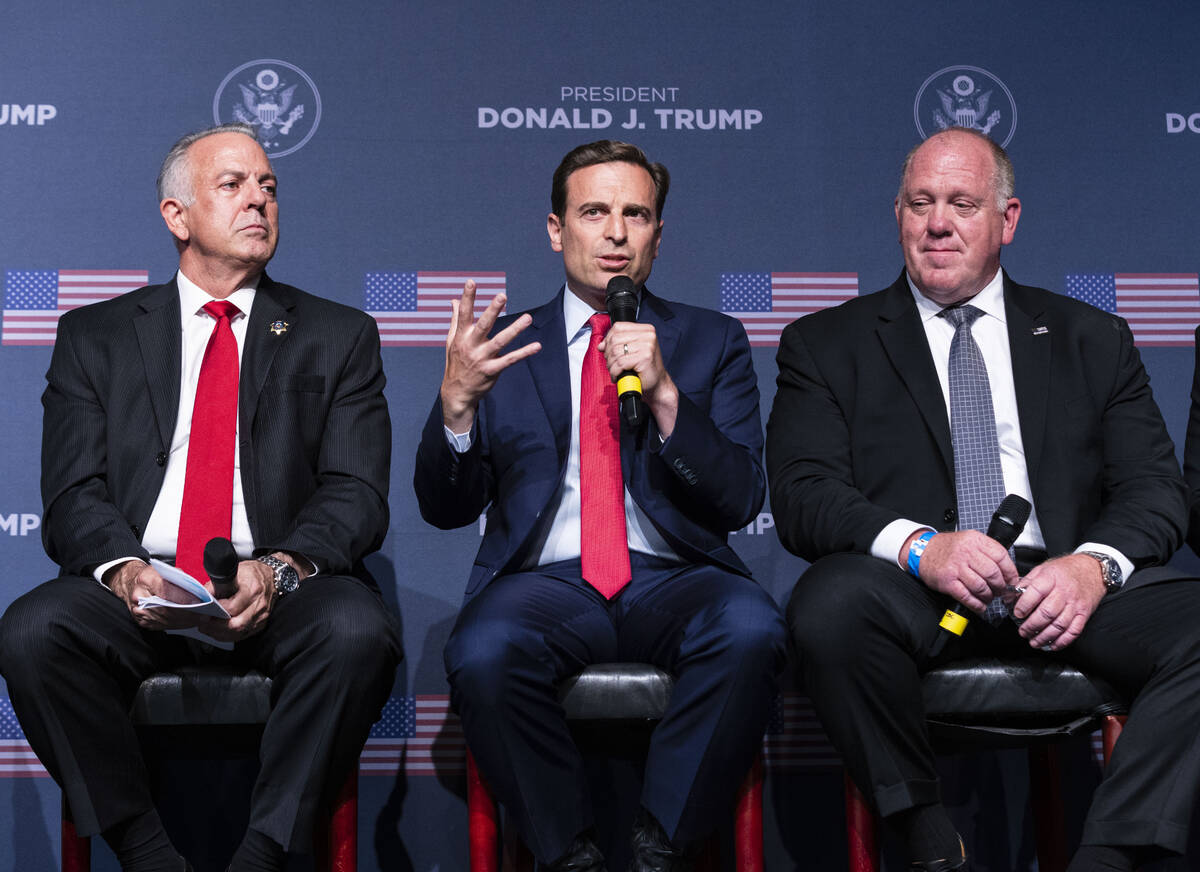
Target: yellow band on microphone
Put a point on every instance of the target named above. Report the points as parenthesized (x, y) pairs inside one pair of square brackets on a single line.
[(953, 622), (627, 383)]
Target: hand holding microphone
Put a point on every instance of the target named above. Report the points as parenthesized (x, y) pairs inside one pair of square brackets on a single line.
[(621, 301), (221, 566), (1005, 526)]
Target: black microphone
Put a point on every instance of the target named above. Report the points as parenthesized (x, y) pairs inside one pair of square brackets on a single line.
[(1006, 525), (621, 301), (221, 564)]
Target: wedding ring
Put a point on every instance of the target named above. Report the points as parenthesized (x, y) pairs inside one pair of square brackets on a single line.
[(625, 348)]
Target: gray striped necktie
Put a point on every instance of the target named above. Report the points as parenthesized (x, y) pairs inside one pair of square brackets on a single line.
[(978, 478)]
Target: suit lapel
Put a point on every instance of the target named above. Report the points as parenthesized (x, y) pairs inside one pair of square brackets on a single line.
[(904, 341), (1031, 370), (654, 311), (158, 333), (272, 318), (550, 370)]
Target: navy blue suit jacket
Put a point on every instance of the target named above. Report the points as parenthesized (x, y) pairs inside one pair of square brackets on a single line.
[(706, 480)]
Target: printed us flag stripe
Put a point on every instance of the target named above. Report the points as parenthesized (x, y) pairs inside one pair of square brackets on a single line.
[(430, 742), (413, 308), (765, 303), (34, 300), (1163, 309)]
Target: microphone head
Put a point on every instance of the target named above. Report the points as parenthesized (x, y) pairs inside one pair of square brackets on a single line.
[(620, 298), (220, 560), (1009, 520), (1014, 510)]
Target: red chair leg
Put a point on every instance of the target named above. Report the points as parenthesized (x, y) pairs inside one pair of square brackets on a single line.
[(748, 822), (76, 851), (1110, 731), (343, 827), (862, 846), (1046, 797), (483, 822)]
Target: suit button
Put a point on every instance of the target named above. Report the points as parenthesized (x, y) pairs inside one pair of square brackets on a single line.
[(950, 516), (136, 530), (161, 458)]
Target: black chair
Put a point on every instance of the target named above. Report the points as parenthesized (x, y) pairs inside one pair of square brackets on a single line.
[(608, 692), (212, 697), (988, 702)]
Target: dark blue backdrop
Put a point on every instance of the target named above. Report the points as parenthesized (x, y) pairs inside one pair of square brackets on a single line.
[(424, 143)]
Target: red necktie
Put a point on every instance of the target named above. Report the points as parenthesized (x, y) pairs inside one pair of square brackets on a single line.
[(207, 508), (604, 550)]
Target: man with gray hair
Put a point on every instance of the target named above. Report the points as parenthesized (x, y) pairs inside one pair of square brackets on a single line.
[(901, 422), (220, 405)]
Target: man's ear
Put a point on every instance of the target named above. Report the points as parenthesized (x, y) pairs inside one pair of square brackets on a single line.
[(174, 213)]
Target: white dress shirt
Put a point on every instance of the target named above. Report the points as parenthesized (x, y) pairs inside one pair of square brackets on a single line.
[(990, 332), (558, 536), (196, 326)]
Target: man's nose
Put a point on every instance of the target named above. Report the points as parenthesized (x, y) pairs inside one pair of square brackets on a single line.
[(614, 228), (938, 222)]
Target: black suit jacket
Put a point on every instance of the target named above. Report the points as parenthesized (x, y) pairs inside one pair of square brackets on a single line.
[(315, 437), (1191, 455), (706, 480), (859, 435)]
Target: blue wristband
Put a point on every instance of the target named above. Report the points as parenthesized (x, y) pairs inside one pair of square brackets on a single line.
[(915, 549)]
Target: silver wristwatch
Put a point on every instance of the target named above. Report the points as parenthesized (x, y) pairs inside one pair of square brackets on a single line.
[(286, 578), (1109, 569)]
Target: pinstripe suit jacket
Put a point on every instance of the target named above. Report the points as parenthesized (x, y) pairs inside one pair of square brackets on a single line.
[(315, 437)]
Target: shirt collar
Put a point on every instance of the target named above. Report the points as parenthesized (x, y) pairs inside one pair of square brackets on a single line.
[(192, 297), (990, 300), (576, 314)]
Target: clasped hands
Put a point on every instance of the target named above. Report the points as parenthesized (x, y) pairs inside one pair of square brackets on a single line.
[(1051, 604), (248, 608)]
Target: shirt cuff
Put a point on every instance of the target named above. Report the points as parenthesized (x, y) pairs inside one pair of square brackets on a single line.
[(459, 442), (1122, 561), (98, 572), (891, 539)]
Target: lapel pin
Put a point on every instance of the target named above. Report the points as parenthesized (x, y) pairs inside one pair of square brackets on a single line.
[(1037, 331), (279, 327)]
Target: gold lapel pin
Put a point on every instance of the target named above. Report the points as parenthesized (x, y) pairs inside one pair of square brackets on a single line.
[(279, 327)]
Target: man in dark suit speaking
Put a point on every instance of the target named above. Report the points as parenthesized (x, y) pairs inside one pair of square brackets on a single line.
[(605, 541), (221, 404), (901, 421)]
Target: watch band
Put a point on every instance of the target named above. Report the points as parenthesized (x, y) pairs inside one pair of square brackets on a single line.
[(1110, 570)]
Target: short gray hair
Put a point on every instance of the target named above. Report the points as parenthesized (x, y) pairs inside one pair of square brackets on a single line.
[(1004, 181), (175, 176)]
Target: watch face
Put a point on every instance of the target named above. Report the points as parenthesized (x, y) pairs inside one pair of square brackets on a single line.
[(287, 580)]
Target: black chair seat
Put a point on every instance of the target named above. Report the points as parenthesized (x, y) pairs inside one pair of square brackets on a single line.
[(990, 700), (617, 691), (202, 696)]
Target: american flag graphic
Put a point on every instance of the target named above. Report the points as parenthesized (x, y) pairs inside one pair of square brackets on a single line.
[(767, 302), (17, 759), (417, 735), (34, 299), (413, 308), (795, 741), (1163, 309)]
